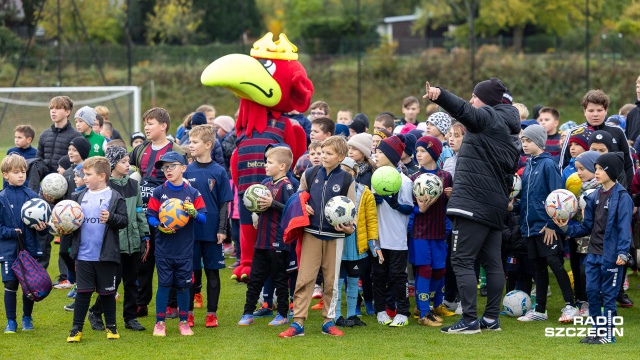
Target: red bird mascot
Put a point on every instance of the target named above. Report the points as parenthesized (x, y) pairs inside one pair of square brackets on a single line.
[(269, 83)]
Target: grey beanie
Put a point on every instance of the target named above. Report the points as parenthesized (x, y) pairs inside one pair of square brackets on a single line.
[(588, 160), (537, 134), (86, 114)]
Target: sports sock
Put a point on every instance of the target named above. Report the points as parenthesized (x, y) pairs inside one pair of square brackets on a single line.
[(10, 303), (27, 305), (83, 299), (162, 299), (423, 284), (352, 296), (339, 303), (436, 286), (267, 292), (183, 302)]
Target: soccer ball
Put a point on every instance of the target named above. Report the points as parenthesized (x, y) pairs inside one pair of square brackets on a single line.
[(172, 214), (516, 303), (54, 185), (427, 187), (582, 203), (517, 186), (252, 195), (340, 210), (561, 204), (66, 217), (386, 181), (574, 184), (35, 210)]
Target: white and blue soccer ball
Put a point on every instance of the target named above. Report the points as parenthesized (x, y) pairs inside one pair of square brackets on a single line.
[(582, 203), (427, 186), (340, 210), (252, 195), (54, 185), (516, 303), (35, 210)]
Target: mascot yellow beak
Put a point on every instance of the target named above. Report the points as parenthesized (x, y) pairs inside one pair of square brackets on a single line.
[(249, 78)]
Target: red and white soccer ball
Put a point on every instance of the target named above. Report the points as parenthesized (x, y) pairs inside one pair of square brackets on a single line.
[(561, 204), (66, 217)]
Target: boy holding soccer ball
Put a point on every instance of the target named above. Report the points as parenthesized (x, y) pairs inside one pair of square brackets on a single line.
[(542, 176), (174, 248), (14, 172)]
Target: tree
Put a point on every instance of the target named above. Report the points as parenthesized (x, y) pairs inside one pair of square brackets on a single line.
[(227, 21), (173, 22), (629, 22)]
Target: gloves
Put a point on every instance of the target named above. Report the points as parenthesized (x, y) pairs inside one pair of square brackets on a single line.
[(190, 209), (144, 248), (165, 230), (392, 201), (378, 199)]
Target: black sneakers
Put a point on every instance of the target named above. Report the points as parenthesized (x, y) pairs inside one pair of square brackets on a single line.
[(134, 325), (96, 321), (463, 327)]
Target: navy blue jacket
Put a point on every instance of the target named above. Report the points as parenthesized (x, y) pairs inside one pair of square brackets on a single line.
[(541, 176), (617, 236), (16, 196)]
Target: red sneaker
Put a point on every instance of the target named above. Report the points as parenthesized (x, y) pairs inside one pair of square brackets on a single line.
[(197, 301), (318, 306), (331, 329), (391, 312), (211, 320), (191, 320)]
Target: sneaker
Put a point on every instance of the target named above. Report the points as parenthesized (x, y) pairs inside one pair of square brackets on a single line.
[(317, 292), (70, 307), (191, 319), (211, 320), (459, 309), (171, 313), (279, 320), (416, 312), (27, 323), (586, 340), (584, 309), (74, 335), (369, 307), (399, 320), (264, 311), (331, 329), (160, 329), (134, 325), (391, 312), (355, 321), (64, 284), (624, 301), (197, 301), (142, 311), (72, 292), (625, 285), (450, 305), (318, 306), (341, 321), (246, 320), (293, 330), (234, 265), (112, 333), (568, 313), (434, 314), (95, 321), (412, 291), (12, 327), (383, 318), (229, 249), (495, 325), (185, 329), (601, 340), (429, 320), (483, 291), (463, 327), (533, 315), (443, 311)]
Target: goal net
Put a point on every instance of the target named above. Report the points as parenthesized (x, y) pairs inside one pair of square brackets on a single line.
[(30, 105)]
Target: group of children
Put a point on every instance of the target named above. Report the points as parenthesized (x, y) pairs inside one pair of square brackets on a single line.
[(393, 238)]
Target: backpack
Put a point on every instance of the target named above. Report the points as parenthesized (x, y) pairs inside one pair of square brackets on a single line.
[(34, 279), (346, 181)]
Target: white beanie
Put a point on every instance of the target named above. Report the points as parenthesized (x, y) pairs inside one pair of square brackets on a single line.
[(363, 142)]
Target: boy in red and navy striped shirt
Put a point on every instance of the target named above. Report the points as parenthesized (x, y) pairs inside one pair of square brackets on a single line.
[(428, 245), (549, 118)]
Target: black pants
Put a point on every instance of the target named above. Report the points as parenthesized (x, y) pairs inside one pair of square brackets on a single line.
[(145, 272), (128, 274), (579, 282), (392, 271), (65, 255), (450, 283), (45, 245), (268, 263), (367, 283), (471, 240), (213, 288), (542, 281)]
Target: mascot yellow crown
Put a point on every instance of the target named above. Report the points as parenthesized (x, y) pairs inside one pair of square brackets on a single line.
[(282, 49)]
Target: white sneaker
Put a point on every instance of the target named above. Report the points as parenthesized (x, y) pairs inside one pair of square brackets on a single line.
[(399, 320), (568, 313), (383, 318), (533, 315), (317, 292), (625, 285), (584, 309), (459, 308)]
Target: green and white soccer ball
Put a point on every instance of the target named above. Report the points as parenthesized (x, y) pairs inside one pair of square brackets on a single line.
[(427, 187), (386, 181), (252, 195), (339, 210)]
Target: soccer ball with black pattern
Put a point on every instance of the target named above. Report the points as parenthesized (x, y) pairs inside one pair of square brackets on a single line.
[(517, 186), (172, 214), (340, 210), (54, 185), (35, 210), (66, 217), (427, 186), (386, 180), (561, 204), (516, 303), (252, 195)]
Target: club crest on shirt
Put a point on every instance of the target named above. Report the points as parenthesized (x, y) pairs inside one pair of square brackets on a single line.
[(212, 183), (336, 188)]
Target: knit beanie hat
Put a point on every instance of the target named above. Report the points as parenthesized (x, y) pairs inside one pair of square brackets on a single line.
[(432, 145), (135, 136), (383, 133), (114, 154), (588, 160), (612, 164), (537, 134), (78, 171), (441, 120), (86, 114), (406, 128), (342, 129), (82, 145), (64, 162), (224, 122), (410, 144), (358, 125), (417, 133), (362, 118), (363, 142), (490, 91), (601, 137), (392, 147), (580, 136), (198, 118)]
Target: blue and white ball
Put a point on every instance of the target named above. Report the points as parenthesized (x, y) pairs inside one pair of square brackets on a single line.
[(516, 303), (35, 210)]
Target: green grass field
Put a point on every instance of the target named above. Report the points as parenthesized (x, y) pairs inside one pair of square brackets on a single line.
[(230, 341)]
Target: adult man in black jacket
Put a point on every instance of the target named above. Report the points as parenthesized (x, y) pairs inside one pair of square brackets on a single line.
[(486, 163), (633, 117)]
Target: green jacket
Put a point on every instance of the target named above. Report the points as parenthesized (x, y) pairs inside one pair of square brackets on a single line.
[(138, 226), (96, 141)]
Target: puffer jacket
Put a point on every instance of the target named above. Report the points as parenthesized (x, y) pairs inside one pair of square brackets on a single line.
[(138, 226), (54, 144), (486, 162), (16, 196), (367, 220)]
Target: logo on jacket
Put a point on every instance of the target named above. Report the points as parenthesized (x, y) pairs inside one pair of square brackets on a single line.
[(164, 197), (336, 188), (212, 183), (96, 147)]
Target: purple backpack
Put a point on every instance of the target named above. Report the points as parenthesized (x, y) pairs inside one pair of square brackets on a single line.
[(34, 279)]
